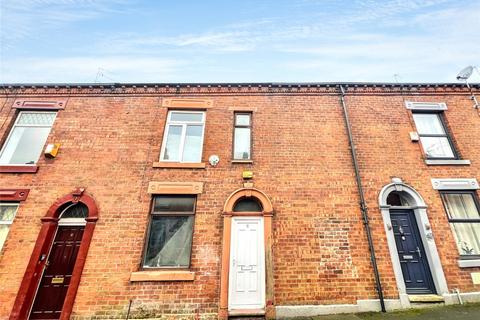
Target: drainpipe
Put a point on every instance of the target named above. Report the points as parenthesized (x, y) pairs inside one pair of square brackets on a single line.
[(363, 205)]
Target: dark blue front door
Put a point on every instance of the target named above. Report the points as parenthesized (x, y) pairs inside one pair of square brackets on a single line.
[(411, 253)]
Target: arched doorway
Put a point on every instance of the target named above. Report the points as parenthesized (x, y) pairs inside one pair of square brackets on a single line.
[(247, 272), (53, 274), (410, 240)]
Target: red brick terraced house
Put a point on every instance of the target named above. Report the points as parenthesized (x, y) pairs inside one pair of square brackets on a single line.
[(204, 201)]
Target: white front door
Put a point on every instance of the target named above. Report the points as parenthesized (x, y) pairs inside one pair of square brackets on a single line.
[(247, 264)]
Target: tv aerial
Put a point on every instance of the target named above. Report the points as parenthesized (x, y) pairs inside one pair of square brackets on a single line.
[(463, 75)]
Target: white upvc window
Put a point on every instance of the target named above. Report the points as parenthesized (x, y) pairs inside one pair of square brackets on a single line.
[(183, 138), (435, 139), (27, 138), (7, 214), (462, 208)]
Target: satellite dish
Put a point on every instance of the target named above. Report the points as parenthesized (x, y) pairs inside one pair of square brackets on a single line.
[(465, 73)]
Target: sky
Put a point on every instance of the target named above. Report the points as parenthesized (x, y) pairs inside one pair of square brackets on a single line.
[(105, 41)]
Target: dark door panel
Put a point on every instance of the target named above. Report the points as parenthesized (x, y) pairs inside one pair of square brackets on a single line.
[(415, 269), (58, 272)]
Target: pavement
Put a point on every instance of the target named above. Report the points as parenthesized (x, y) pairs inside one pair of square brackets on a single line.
[(456, 312)]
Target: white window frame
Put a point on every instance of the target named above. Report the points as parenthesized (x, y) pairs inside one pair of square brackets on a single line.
[(5, 222), (452, 221), (15, 125), (439, 116), (184, 133), (249, 127)]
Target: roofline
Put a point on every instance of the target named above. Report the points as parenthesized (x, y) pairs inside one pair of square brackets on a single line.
[(236, 84)]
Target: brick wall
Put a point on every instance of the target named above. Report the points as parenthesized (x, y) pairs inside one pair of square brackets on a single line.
[(301, 161)]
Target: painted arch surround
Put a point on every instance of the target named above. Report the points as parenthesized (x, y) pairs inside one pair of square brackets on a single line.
[(46, 235), (228, 213), (417, 204)]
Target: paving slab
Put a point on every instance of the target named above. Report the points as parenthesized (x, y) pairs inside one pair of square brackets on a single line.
[(457, 312)]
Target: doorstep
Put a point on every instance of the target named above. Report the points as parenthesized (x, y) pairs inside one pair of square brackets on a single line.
[(246, 312), (428, 298)]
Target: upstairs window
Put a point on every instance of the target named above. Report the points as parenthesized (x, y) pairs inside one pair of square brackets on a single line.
[(7, 213), (169, 242), (434, 137), (463, 214), (242, 136), (183, 138), (27, 138)]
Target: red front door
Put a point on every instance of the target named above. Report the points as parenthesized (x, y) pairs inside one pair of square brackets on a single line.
[(58, 272)]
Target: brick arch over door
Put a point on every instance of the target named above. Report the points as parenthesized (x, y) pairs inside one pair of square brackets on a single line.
[(248, 193), (34, 271), (267, 214)]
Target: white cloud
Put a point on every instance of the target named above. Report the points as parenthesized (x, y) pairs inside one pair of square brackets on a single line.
[(23, 19), (363, 40)]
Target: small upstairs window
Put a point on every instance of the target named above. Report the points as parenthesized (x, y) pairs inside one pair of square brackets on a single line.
[(183, 138), (27, 138), (242, 136), (436, 141)]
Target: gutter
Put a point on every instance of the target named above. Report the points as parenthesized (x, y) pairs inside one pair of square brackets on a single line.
[(363, 204), (332, 85)]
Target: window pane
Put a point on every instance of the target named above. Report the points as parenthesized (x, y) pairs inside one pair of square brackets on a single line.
[(185, 116), (428, 123), (460, 206), (36, 118), (174, 204), (241, 149), (192, 151), (242, 119), (24, 145), (3, 234), (247, 205), (7, 212), (398, 199), (437, 147), (170, 242), (172, 148), (467, 237), (76, 211)]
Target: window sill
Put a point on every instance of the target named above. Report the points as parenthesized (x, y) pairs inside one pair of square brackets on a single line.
[(447, 162), (241, 161), (162, 276), (469, 263), (180, 165), (18, 169)]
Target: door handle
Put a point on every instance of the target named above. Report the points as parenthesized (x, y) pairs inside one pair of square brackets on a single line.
[(419, 252)]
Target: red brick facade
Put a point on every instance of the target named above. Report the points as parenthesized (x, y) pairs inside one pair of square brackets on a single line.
[(110, 138)]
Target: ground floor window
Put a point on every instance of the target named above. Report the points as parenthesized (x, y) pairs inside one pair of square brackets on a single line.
[(7, 213), (169, 242), (463, 214)]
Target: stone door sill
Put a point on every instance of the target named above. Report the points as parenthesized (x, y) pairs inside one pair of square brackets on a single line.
[(246, 312)]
